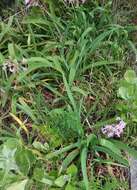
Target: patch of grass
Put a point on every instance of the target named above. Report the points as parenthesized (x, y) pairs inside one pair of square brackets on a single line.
[(59, 73)]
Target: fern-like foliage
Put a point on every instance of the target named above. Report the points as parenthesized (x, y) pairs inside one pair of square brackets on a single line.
[(66, 124)]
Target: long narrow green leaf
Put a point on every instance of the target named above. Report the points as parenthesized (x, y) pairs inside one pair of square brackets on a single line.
[(108, 162), (92, 139), (84, 167), (115, 156), (71, 156), (69, 93), (39, 62), (62, 150), (110, 145), (96, 43), (33, 64), (27, 109), (100, 64)]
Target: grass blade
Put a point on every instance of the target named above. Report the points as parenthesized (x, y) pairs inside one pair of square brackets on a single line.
[(84, 167)]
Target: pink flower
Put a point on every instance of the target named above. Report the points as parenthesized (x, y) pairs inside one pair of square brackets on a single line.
[(114, 130)]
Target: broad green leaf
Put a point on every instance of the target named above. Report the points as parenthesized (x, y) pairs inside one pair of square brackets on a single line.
[(12, 143), (7, 160), (130, 76), (46, 181), (61, 181), (72, 170), (38, 174), (24, 159), (70, 187), (84, 167), (123, 93), (8, 177), (20, 185)]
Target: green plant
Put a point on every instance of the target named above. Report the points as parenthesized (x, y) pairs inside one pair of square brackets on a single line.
[(111, 147), (59, 66), (128, 92)]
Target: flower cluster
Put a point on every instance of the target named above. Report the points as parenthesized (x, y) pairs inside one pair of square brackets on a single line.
[(10, 66), (114, 130), (13, 66)]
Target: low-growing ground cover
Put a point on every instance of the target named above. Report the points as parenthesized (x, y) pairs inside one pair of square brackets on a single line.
[(67, 97)]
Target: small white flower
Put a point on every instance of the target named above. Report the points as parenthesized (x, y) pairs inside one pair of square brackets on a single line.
[(10, 66), (14, 66)]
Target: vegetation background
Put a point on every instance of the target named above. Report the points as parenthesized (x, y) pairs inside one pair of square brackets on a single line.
[(65, 73)]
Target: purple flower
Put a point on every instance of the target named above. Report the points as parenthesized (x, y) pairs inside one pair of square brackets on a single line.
[(119, 128), (30, 3), (108, 130), (114, 130)]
